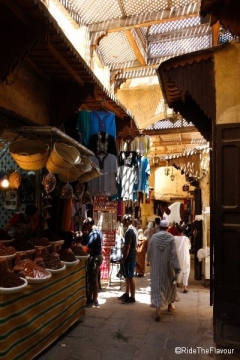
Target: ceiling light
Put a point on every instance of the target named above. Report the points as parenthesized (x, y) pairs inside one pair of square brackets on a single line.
[(5, 182)]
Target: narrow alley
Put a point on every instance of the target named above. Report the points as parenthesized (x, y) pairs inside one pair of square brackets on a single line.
[(117, 331)]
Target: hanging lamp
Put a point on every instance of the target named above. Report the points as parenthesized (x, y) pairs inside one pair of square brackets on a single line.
[(155, 159), (172, 176), (167, 169)]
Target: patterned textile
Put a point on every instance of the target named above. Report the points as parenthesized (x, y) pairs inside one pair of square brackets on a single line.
[(34, 318), (164, 268)]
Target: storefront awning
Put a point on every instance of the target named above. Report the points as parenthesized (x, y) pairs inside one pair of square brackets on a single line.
[(46, 134)]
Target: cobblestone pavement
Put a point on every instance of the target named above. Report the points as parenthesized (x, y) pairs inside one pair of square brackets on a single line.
[(117, 331)]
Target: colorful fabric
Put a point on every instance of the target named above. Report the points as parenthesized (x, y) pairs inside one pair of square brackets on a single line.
[(143, 175), (103, 120), (84, 126), (34, 318)]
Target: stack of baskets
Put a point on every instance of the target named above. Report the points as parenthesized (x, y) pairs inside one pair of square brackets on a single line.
[(76, 171), (64, 160)]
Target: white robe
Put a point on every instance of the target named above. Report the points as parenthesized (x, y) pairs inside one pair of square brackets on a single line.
[(183, 246), (164, 267)]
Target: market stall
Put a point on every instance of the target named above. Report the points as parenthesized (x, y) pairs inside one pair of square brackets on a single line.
[(34, 318)]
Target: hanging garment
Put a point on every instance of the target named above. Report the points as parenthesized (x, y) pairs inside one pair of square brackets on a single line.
[(144, 145), (143, 175), (128, 158), (84, 126), (103, 120), (105, 183), (102, 141), (127, 177)]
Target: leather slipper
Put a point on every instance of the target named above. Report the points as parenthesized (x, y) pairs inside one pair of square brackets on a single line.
[(157, 318)]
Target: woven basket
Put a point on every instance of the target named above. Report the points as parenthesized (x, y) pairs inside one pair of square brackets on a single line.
[(69, 175), (76, 171), (62, 157), (95, 172), (85, 164), (29, 154)]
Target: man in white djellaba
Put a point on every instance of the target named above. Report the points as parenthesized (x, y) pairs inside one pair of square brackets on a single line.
[(164, 269), (183, 246)]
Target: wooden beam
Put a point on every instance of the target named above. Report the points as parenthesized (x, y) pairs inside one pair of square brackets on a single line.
[(135, 48), (64, 63), (19, 13), (183, 130), (194, 31), (145, 20), (215, 33)]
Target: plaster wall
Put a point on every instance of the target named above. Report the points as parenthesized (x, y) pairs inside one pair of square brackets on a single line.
[(227, 74), (166, 189), (27, 95)]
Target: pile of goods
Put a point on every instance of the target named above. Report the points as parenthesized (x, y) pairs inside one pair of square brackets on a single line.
[(67, 255), (6, 250), (21, 244), (51, 261), (79, 250), (52, 237), (9, 279), (39, 241), (31, 269)]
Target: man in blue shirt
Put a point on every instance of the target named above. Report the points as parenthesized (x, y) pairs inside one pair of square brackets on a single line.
[(129, 259), (94, 248)]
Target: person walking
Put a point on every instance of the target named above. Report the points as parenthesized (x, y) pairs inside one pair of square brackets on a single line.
[(94, 248), (157, 225), (148, 233), (142, 245), (129, 260), (164, 269), (183, 246)]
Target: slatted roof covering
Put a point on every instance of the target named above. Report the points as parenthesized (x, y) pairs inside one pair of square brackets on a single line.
[(138, 35), (170, 124), (134, 37)]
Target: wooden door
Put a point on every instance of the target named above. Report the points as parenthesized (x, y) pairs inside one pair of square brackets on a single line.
[(225, 234)]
